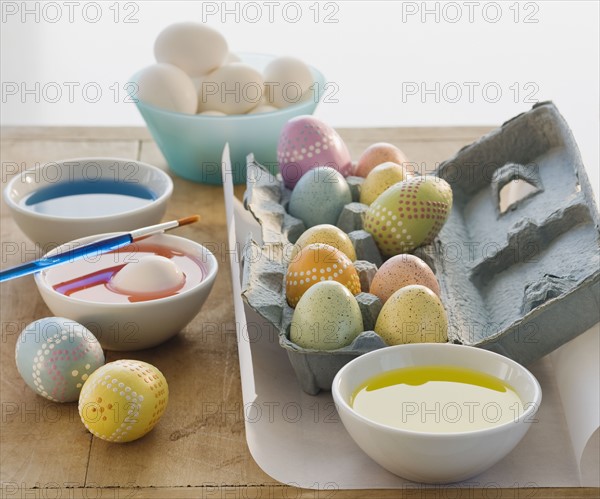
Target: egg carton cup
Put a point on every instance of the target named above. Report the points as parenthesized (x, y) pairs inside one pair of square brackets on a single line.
[(520, 282), (263, 290), (263, 286), (529, 277)]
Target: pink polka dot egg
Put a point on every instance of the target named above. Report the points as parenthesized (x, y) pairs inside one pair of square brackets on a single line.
[(306, 142), (55, 356)]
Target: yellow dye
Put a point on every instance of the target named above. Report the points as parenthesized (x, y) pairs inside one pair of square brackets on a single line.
[(439, 399)]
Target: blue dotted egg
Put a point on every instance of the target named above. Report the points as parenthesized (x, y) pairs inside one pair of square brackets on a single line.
[(55, 356)]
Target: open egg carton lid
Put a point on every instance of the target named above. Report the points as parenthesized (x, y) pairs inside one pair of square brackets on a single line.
[(520, 282)]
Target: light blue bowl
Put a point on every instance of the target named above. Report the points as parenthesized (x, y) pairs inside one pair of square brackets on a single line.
[(193, 144)]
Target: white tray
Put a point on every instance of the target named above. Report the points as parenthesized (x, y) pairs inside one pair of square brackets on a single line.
[(299, 440)]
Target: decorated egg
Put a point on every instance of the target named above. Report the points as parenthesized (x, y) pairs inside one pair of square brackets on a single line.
[(327, 318), (409, 214), (379, 179), (376, 154), (399, 271), (195, 48), (413, 314), (287, 80), (234, 88), (306, 142), (123, 400), (55, 356), (317, 263), (168, 87), (320, 197), (325, 234)]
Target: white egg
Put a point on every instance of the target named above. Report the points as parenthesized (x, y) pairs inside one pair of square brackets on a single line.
[(168, 87), (263, 108), (287, 80), (235, 88), (150, 274), (212, 113), (195, 48), (197, 81), (231, 57)]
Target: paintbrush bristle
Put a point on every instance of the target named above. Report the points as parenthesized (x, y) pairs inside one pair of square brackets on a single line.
[(188, 220)]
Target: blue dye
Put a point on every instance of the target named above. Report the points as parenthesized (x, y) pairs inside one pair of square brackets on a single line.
[(84, 198)]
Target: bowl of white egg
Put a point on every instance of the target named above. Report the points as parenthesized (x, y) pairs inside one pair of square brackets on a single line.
[(199, 96), (135, 297)]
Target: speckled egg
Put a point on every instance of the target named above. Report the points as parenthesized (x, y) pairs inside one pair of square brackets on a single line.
[(409, 214), (413, 314), (327, 318), (325, 234), (376, 154), (399, 271), (319, 197), (316, 263), (123, 400), (306, 142), (55, 356), (381, 178)]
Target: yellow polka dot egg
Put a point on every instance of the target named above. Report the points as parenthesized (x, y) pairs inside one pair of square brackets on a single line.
[(55, 356), (316, 263), (123, 400)]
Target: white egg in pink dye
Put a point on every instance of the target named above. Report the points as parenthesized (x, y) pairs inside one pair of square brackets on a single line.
[(141, 271), (150, 274)]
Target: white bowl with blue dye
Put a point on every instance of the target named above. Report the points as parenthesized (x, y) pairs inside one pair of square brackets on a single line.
[(66, 200)]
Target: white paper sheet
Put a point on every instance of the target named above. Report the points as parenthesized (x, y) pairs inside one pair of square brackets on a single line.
[(298, 439), (577, 371)]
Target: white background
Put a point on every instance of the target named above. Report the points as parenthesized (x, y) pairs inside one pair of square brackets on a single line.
[(519, 52)]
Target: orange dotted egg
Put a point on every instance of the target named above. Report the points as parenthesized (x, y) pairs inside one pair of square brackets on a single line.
[(316, 263)]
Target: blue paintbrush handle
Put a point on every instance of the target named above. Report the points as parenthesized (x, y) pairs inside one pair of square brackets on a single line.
[(95, 248)]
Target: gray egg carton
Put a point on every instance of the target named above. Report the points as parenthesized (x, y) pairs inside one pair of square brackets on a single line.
[(520, 282), (528, 279), (263, 288)]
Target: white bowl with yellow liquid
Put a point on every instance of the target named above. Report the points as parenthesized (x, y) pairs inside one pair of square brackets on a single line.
[(445, 430)]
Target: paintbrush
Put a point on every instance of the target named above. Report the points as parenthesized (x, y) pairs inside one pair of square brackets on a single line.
[(96, 248)]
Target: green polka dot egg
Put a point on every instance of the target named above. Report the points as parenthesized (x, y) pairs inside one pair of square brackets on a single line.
[(123, 400), (409, 214), (55, 356)]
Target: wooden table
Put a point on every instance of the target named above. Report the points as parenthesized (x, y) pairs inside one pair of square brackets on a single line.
[(199, 448)]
